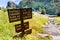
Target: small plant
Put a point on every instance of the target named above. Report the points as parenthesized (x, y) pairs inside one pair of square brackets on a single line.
[(43, 11)]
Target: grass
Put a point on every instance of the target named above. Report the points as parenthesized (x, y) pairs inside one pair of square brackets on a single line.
[(7, 30), (57, 19)]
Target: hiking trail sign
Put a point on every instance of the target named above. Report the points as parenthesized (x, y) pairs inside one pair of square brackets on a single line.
[(21, 15)]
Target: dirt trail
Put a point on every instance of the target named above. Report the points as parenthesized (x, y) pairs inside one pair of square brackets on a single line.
[(51, 27)]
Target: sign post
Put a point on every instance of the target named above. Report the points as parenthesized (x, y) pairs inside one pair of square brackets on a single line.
[(21, 15)]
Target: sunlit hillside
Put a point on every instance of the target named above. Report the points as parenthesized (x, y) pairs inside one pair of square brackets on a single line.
[(7, 30)]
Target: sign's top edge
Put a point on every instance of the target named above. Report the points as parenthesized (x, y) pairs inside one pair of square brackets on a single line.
[(12, 9), (18, 9)]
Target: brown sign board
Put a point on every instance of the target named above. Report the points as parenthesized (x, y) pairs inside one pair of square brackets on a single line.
[(18, 27), (28, 31), (27, 13), (14, 15)]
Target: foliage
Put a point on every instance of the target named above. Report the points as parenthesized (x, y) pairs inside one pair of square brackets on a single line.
[(52, 6), (43, 11)]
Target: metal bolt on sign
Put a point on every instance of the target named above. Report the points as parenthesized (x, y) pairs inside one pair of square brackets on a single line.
[(20, 15)]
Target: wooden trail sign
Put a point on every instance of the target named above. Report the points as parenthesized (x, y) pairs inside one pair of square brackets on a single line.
[(14, 15), (21, 15), (27, 13), (28, 31), (18, 27)]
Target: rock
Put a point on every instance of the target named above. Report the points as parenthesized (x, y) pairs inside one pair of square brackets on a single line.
[(11, 5), (42, 35)]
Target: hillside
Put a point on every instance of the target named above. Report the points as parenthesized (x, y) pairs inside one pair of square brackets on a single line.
[(7, 30), (52, 7)]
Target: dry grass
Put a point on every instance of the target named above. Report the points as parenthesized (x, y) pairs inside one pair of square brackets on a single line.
[(57, 19)]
